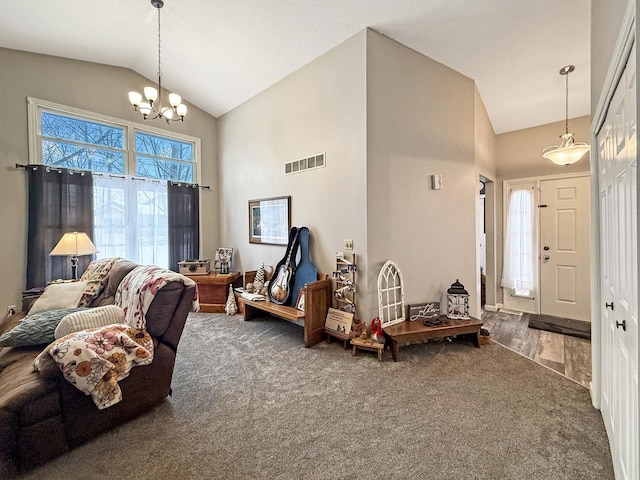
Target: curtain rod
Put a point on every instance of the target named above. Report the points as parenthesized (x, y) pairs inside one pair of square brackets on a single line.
[(35, 166)]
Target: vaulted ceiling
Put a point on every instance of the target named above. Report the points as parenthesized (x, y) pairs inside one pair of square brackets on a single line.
[(220, 53)]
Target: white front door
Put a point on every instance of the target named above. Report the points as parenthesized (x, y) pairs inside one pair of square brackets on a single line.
[(617, 177), (565, 248)]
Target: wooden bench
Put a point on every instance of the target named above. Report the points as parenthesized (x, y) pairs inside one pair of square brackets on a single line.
[(312, 318)]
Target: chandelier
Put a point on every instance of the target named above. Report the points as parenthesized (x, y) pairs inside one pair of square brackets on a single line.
[(152, 108), (568, 151)]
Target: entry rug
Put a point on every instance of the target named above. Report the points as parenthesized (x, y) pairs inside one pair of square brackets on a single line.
[(567, 326)]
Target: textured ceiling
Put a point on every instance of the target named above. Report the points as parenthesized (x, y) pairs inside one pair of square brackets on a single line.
[(220, 53)]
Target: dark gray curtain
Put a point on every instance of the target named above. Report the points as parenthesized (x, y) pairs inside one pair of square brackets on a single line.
[(60, 201), (184, 223)]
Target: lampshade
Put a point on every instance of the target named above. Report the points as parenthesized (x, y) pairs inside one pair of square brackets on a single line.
[(567, 152), (74, 244)]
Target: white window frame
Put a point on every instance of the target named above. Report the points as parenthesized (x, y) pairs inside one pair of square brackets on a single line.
[(36, 106)]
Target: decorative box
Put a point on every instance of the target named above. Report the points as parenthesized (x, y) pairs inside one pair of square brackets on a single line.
[(194, 267)]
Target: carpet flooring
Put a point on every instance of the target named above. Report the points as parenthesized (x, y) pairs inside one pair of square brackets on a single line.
[(250, 402)]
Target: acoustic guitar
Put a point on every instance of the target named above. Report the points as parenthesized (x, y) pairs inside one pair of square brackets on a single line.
[(282, 282)]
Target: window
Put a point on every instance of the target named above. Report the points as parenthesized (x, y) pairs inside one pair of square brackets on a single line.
[(66, 137), (81, 144), (165, 158), (131, 163), (518, 264)]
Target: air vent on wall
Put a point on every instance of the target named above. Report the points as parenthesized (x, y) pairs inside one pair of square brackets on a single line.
[(302, 164)]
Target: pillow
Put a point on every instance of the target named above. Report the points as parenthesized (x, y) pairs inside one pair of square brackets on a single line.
[(89, 318), (59, 295), (96, 276), (36, 329)]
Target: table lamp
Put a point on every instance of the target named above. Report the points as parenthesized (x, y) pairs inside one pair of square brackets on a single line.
[(74, 244)]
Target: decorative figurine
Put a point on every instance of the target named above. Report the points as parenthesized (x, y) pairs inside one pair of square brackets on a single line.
[(356, 328), (260, 275), (231, 308), (377, 335)]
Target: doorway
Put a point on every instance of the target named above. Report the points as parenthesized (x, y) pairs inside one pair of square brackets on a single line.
[(488, 280), (565, 229), (551, 246)]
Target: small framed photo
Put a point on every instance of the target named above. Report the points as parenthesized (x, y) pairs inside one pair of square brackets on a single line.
[(222, 260), (300, 301), (270, 220)]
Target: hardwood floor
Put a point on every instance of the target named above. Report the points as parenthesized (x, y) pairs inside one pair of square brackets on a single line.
[(570, 356)]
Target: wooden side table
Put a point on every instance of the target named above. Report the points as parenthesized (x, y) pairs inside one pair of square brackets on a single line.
[(406, 332), (30, 296), (213, 290)]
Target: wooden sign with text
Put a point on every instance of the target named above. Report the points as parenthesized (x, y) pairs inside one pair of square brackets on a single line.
[(424, 311), (338, 321)]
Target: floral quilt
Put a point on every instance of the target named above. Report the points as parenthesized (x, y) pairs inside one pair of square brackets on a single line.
[(94, 360), (138, 289)]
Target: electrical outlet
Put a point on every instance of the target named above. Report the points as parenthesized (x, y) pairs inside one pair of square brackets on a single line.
[(11, 309), (348, 244)]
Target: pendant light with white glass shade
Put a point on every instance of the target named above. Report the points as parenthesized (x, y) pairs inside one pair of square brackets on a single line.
[(569, 151)]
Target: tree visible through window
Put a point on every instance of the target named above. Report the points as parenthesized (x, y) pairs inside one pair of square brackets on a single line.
[(80, 144), (164, 158)]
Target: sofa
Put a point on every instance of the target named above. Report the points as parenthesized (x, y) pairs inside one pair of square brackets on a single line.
[(42, 415)]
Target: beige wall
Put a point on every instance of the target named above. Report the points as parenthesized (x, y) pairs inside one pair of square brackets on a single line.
[(387, 118), (319, 108), (606, 18), (92, 87), (486, 166), (420, 121), (484, 139), (519, 155)]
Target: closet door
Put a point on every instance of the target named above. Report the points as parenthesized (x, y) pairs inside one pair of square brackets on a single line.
[(617, 175)]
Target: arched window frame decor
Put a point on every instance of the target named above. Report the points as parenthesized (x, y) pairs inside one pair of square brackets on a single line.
[(390, 295)]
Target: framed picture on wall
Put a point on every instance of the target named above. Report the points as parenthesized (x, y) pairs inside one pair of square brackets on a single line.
[(270, 220)]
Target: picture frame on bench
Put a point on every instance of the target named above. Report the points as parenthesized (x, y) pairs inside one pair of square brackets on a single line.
[(300, 301)]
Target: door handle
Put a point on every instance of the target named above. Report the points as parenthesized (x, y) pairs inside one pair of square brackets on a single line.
[(622, 324), (609, 305), (546, 257)]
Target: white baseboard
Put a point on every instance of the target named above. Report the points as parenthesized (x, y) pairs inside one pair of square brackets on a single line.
[(493, 308)]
